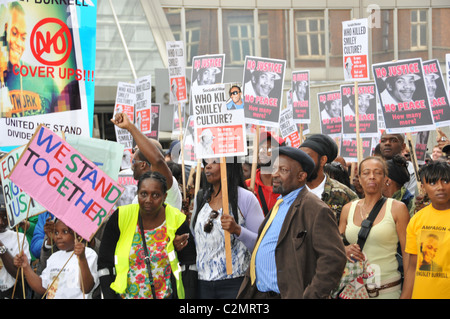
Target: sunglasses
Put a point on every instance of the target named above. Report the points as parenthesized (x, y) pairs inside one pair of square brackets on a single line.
[(210, 224), (234, 93)]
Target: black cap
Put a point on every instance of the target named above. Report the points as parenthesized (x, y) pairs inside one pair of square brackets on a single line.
[(323, 145), (298, 155), (446, 149)]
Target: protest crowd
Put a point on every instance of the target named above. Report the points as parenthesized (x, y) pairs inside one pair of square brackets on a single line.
[(323, 258), (352, 212)]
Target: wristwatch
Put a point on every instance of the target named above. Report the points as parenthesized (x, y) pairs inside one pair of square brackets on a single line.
[(443, 139), (3, 250)]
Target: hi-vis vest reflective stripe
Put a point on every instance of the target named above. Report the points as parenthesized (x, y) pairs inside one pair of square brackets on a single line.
[(128, 219)]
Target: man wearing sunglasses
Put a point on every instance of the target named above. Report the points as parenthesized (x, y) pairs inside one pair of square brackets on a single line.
[(235, 98)]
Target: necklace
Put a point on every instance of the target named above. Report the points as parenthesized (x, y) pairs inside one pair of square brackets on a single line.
[(361, 211)]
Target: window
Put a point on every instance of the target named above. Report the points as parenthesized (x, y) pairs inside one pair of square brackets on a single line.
[(238, 36), (418, 29), (241, 42), (192, 42), (264, 38), (310, 36)]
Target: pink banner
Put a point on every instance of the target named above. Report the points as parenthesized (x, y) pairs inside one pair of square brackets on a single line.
[(65, 182)]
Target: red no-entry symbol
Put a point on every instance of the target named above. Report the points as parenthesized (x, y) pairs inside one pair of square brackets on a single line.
[(50, 47)]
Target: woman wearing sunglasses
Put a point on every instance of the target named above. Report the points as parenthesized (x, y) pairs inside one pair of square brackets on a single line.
[(208, 225)]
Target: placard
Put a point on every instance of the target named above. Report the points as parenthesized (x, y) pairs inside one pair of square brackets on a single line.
[(355, 44), (403, 96), (219, 132), (263, 81), (65, 182)]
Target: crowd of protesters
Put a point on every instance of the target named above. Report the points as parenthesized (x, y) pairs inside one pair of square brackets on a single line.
[(293, 232)]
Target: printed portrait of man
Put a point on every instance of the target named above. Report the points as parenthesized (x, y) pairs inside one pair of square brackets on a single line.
[(430, 83), (206, 140), (331, 109), (32, 95), (399, 88), (261, 83), (206, 76), (235, 102), (428, 250), (300, 91), (364, 100)]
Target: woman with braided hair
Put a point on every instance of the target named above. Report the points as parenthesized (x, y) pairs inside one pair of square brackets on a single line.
[(133, 268), (394, 186), (208, 224)]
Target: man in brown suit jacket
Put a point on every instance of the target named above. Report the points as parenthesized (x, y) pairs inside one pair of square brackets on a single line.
[(301, 254)]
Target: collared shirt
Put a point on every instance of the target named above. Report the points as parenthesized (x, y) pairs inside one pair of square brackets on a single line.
[(265, 266)]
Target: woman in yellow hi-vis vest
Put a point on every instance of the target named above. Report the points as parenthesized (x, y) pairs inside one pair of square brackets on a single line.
[(132, 269)]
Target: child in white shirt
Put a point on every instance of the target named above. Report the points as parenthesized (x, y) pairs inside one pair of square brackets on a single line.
[(76, 277)]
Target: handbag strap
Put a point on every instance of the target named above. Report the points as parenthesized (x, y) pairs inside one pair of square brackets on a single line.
[(367, 223), (263, 201), (147, 258)]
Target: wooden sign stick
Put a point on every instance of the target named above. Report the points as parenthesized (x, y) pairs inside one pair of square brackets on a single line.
[(255, 158), (182, 151), (358, 137), (412, 152), (79, 268), (225, 210), (198, 177), (56, 277)]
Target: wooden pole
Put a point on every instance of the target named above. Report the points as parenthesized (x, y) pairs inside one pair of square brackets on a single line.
[(56, 277), (255, 158), (301, 132), (198, 177), (225, 210), (358, 137), (79, 268), (182, 151), (412, 152)]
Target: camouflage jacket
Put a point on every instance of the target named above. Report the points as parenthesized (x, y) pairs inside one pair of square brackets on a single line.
[(336, 195)]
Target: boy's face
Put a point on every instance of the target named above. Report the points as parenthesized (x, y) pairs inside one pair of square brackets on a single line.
[(439, 193), (64, 237)]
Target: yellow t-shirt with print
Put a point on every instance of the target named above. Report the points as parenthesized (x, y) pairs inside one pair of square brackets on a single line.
[(428, 237)]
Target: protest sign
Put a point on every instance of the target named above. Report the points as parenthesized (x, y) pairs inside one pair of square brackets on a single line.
[(330, 112), (349, 149), (437, 94), (300, 97), (177, 126), (367, 107), (51, 78), (19, 205), (125, 100), (189, 145), (154, 121), (65, 182), (403, 96), (219, 132), (263, 80), (177, 72), (143, 104), (129, 184), (207, 70), (421, 146), (288, 128), (355, 36), (107, 155), (447, 63)]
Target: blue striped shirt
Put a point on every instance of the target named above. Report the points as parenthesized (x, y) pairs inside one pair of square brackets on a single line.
[(265, 266)]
